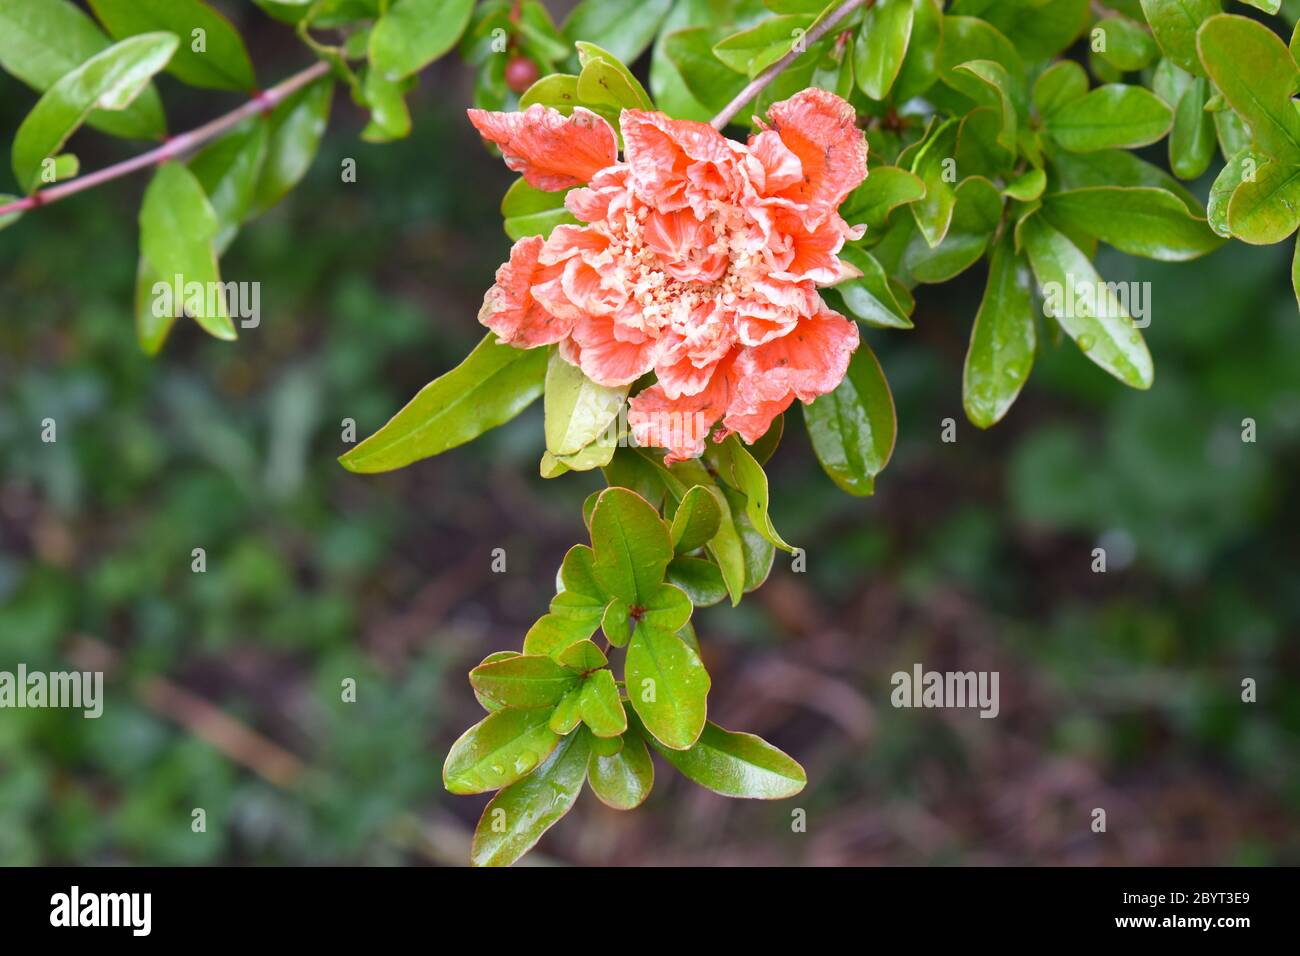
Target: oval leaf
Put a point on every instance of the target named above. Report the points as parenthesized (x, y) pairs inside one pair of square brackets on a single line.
[(667, 686), (493, 385), (738, 765), (532, 806), (498, 750), (622, 780), (414, 33), (1002, 339), (211, 53), (853, 428), (110, 80), (1096, 320)]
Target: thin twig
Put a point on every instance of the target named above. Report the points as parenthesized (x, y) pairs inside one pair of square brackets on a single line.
[(758, 83), (175, 146)]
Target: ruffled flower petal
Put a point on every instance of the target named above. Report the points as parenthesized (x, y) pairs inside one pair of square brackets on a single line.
[(821, 129), (510, 307), (668, 157), (809, 361), (550, 150), (680, 425), (608, 360)]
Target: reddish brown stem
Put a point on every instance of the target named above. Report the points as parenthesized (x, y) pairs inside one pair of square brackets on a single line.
[(759, 83), (176, 146)]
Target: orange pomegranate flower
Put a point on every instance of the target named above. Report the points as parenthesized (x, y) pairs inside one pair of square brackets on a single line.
[(700, 260)]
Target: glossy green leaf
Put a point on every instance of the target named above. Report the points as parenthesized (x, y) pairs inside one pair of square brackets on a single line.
[(152, 322), (1061, 83), (1140, 221), (1002, 340), (700, 579), (41, 41), (601, 709), (1254, 70), (616, 623), (297, 126), (177, 229), (995, 76), (567, 715), (1115, 167), (670, 91), (726, 547), (738, 765), (631, 545), (708, 79), (1111, 116), (880, 46), (1127, 46), (390, 117), (884, 190), (228, 171), (110, 80), (580, 612), (869, 297), (935, 166), (526, 681), (752, 481), (1225, 184), (577, 571), (211, 53), (414, 33), (532, 212), (667, 609), (498, 750), (605, 81), (757, 552), (1232, 132), (1026, 187), (667, 686), (753, 50), (921, 64), (854, 427), (488, 703), (1266, 209), (1192, 141), (494, 384), (578, 410), (1295, 272), (582, 657), (556, 90), (971, 38), (1040, 29), (1174, 23), (1094, 317), (978, 151), (623, 27), (622, 780), (515, 819), (696, 520), (975, 216), (553, 632)]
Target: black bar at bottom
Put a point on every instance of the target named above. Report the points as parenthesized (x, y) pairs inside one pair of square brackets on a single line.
[(335, 905)]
